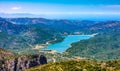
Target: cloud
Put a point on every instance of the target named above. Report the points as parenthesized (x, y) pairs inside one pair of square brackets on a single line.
[(16, 8)]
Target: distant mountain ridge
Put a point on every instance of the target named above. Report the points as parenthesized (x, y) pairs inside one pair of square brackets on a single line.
[(64, 25), (14, 15)]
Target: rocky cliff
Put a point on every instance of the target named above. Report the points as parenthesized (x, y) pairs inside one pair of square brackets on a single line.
[(23, 62)]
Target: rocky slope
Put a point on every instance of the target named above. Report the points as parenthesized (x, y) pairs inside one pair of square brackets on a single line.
[(4, 54), (8, 61)]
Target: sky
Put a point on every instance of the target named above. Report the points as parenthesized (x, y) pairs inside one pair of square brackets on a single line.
[(84, 9)]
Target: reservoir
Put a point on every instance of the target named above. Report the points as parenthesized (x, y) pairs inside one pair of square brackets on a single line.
[(65, 44)]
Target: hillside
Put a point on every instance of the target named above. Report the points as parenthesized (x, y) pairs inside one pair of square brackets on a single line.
[(104, 46), (10, 28), (18, 37), (80, 65)]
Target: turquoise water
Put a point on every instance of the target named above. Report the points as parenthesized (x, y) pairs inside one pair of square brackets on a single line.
[(65, 44)]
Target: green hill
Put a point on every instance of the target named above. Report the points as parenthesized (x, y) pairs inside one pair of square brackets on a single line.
[(104, 46), (82, 65), (25, 37)]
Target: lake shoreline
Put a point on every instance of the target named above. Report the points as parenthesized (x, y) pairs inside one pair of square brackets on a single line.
[(58, 46), (47, 44)]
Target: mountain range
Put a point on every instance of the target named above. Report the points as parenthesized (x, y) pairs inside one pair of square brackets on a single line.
[(28, 32), (23, 34)]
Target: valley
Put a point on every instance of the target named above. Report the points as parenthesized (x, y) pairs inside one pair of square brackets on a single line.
[(73, 40), (59, 35)]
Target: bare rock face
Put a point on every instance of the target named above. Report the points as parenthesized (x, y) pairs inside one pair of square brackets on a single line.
[(23, 62), (43, 60)]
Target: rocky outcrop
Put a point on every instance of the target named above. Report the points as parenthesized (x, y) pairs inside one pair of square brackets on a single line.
[(23, 62)]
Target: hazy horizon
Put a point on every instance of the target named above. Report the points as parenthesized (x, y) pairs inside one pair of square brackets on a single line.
[(63, 9)]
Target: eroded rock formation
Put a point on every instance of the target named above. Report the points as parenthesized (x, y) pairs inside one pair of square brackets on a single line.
[(23, 62)]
